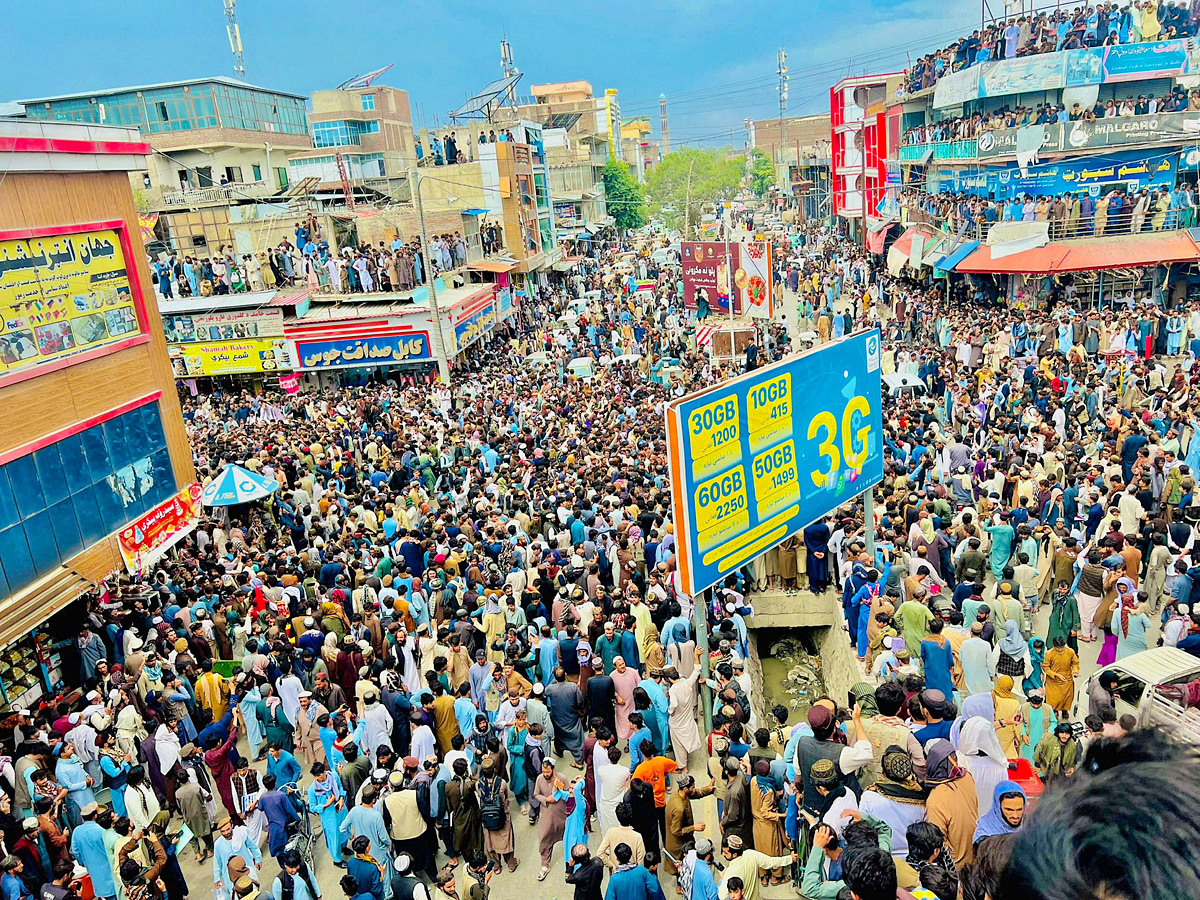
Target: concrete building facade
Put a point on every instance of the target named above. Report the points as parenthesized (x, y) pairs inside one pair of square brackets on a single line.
[(371, 127), (216, 143)]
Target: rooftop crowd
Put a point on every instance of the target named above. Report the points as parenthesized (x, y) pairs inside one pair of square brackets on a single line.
[(1048, 31), (459, 622), (966, 127), (1117, 210)]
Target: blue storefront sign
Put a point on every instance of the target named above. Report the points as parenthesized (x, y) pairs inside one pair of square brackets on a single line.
[(1149, 59), (475, 326), (364, 352), (1070, 68), (1093, 173), (1132, 169), (1084, 66)]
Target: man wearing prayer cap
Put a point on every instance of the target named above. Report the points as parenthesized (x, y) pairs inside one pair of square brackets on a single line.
[(681, 824)]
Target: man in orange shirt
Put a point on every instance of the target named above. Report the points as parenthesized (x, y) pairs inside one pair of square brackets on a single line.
[(654, 771)]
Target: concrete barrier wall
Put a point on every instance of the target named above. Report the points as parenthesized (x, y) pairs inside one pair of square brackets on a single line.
[(820, 614)]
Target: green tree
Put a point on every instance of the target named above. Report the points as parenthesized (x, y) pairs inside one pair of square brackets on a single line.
[(714, 178), (762, 172), (624, 195)]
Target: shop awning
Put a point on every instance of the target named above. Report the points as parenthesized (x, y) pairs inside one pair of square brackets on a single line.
[(475, 212), (876, 239), (904, 242), (491, 265), (935, 247), (291, 298), (1116, 252), (952, 259)]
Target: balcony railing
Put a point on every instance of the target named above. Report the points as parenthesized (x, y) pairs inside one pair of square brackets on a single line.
[(1119, 223), (218, 194)]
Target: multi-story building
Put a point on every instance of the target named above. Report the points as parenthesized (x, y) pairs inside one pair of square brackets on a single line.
[(1055, 128), (216, 143), (516, 189), (638, 149), (95, 470), (858, 144), (799, 147), (576, 172), (371, 129)]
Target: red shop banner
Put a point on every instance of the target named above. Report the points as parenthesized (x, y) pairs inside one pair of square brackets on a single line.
[(149, 536)]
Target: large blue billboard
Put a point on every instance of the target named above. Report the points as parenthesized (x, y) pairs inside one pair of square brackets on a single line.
[(757, 458)]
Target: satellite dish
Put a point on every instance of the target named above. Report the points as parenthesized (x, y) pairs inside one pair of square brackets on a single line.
[(862, 96)]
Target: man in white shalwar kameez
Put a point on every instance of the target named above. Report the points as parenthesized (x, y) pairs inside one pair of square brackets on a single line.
[(681, 709)]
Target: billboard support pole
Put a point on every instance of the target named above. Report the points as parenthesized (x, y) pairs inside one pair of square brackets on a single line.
[(869, 521), (701, 612), (729, 272)]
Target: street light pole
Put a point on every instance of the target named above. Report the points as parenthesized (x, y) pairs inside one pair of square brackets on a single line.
[(414, 177)]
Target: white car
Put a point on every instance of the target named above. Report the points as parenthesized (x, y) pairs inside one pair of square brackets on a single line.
[(582, 367), (898, 384), (1152, 686)]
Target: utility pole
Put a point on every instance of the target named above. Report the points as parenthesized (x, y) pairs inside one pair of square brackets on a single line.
[(687, 205), (781, 70), (435, 314)]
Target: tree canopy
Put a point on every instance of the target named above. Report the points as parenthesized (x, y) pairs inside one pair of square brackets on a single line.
[(714, 179), (762, 172), (624, 196)]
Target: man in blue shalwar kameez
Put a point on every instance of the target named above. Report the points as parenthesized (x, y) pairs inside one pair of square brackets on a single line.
[(367, 821), (326, 799)]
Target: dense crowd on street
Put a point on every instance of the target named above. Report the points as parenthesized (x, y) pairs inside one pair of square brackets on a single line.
[(1048, 31), (459, 618)]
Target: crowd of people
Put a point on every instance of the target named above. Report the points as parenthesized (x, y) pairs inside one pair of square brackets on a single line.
[(960, 128), (1115, 210), (398, 266), (444, 151), (1051, 30), (459, 619)]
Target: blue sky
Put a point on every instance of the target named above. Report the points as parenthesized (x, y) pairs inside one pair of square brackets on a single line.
[(714, 59)]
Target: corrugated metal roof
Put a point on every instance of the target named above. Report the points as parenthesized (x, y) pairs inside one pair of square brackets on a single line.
[(1115, 252), (216, 79)]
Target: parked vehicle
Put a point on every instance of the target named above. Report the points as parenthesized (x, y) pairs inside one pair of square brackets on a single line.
[(1153, 687), (898, 385)]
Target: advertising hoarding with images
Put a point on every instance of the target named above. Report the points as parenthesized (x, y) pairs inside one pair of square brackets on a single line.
[(759, 457), (708, 268), (229, 357), (223, 326), (63, 295), (149, 536)]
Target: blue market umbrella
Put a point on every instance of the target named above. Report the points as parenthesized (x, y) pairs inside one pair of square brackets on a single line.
[(237, 485)]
